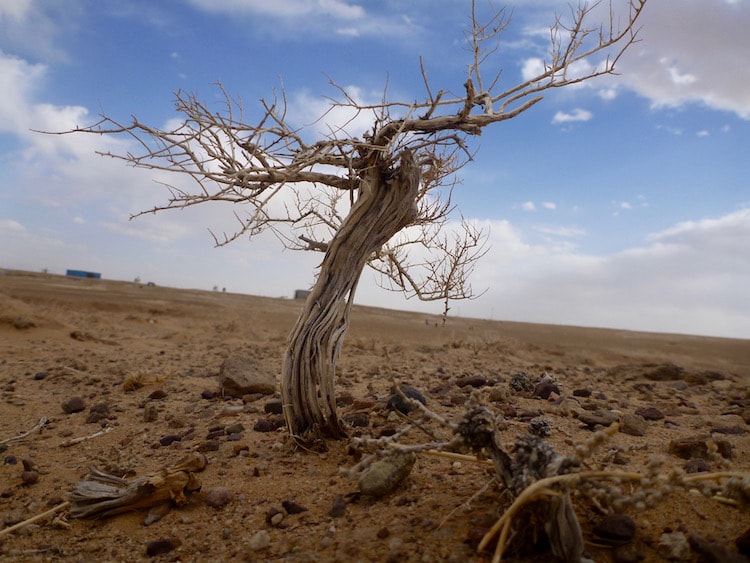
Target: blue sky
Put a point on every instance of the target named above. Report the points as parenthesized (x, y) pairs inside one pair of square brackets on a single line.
[(624, 203)]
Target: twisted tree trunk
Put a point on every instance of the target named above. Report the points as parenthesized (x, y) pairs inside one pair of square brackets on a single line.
[(386, 204)]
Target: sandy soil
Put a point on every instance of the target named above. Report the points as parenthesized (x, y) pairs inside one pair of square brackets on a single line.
[(117, 343)]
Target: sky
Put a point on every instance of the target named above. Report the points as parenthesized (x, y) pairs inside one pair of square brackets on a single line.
[(621, 203)]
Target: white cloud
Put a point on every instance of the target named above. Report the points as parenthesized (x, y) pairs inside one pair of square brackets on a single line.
[(567, 232), (690, 278), (549, 205), (528, 206), (321, 17), (10, 225), (316, 112), (577, 114), (691, 55), (15, 9)]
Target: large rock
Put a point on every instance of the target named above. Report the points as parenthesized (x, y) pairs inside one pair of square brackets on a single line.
[(240, 375)]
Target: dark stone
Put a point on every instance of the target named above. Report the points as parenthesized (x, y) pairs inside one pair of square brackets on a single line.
[(712, 552), (703, 377), (586, 392), (597, 418), (743, 543), (207, 394), (234, 437), (663, 372), (161, 546), (649, 413), (397, 402), (38, 376), (628, 553), (616, 528), (157, 395), (735, 430), (73, 405), (472, 381), (357, 420), (344, 400), (170, 439), (209, 446), (697, 465), (545, 388), (383, 533), (29, 477), (11, 460), (268, 424), (338, 507), (236, 428), (292, 507), (274, 406), (97, 413), (697, 447)]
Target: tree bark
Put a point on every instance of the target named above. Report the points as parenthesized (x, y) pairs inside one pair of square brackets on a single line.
[(386, 204)]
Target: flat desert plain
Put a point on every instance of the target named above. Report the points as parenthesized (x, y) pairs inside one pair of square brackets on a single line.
[(124, 377)]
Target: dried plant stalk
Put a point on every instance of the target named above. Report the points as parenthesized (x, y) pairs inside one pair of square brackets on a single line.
[(101, 494)]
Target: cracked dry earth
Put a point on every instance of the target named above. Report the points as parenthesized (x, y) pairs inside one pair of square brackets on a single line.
[(142, 365)]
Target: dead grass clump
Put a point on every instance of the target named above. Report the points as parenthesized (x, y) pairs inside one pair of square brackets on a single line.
[(142, 377)]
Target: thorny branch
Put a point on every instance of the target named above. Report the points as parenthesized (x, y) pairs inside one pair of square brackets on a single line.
[(285, 181)]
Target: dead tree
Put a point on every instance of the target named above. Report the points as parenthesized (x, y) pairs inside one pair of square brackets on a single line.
[(362, 201)]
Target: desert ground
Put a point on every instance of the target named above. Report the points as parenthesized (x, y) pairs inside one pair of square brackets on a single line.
[(124, 377)]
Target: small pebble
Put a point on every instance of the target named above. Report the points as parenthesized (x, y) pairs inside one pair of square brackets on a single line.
[(475, 381), (207, 394), (157, 395), (338, 507), (236, 428), (633, 425), (616, 528), (73, 405), (219, 497), (274, 406), (30, 477), (385, 475), (397, 402), (170, 439), (260, 540), (545, 388), (649, 413), (38, 376), (292, 507), (161, 546), (209, 446), (150, 413)]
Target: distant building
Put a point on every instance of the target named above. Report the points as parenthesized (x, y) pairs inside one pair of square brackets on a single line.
[(301, 293), (82, 274)]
